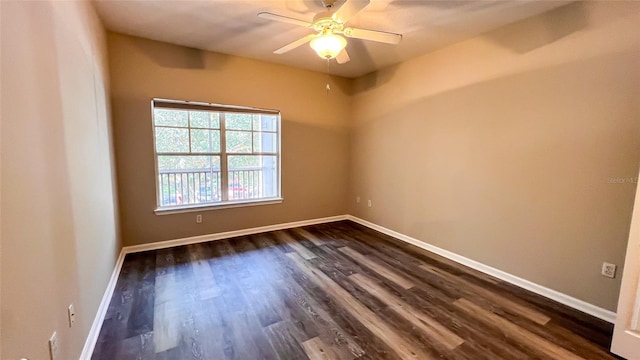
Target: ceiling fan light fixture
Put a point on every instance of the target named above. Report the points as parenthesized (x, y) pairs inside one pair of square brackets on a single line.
[(328, 46)]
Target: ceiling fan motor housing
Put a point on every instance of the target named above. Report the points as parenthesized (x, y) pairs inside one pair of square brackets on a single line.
[(323, 22)]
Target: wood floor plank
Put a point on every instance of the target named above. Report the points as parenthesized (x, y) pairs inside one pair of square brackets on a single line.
[(137, 347), (527, 338), (257, 286), (199, 255), (141, 318), (332, 334), (243, 335), (411, 253), (166, 317), (210, 327), (500, 349), (433, 303), (368, 340), (380, 269), (309, 236), (576, 343), (524, 311), (283, 337), (423, 322), (193, 343), (298, 299), (330, 291), (597, 331), (116, 320), (403, 349), (317, 350), (295, 245), (373, 348)]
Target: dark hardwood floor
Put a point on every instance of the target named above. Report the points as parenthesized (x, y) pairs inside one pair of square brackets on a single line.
[(331, 291)]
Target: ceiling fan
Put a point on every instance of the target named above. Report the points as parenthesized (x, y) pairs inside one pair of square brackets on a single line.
[(329, 25)]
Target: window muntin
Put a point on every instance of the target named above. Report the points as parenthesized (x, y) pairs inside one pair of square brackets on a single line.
[(210, 155)]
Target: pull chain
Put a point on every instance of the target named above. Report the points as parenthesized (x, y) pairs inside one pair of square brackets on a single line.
[(328, 77)]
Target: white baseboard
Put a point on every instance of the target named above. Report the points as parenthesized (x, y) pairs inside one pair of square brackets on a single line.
[(565, 299), (90, 343), (229, 234)]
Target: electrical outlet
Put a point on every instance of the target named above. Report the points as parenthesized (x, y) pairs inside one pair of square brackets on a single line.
[(71, 311), (608, 270), (198, 219), (357, 199), (369, 203), (54, 346)]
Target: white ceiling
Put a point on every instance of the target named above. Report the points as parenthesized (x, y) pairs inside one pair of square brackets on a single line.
[(232, 27)]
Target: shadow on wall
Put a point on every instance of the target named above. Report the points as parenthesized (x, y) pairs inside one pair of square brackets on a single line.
[(179, 57), (373, 80), (541, 30), (612, 70), (356, 46)]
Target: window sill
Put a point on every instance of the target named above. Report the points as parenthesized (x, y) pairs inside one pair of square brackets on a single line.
[(207, 207)]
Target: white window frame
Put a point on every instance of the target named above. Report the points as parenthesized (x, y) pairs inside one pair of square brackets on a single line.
[(224, 173)]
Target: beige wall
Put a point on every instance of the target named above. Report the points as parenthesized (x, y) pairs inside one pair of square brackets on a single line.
[(500, 148), (59, 228), (314, 133)]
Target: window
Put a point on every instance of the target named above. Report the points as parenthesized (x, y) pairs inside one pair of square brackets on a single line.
[(212, 155)]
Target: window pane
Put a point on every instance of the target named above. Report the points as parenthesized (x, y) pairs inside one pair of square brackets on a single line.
[(205, 141), (172, 140), (238, 141), (264, 142), (238, 121), (200, 119), (264, 123), (243, 161), (192, 174), (252, 177), (170, 117), (187, 163), (188, 180)]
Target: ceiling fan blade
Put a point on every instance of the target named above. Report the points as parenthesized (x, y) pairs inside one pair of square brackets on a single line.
[(349, 9), (286, 19), (294, 44), (373, 35), (343, 57)]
